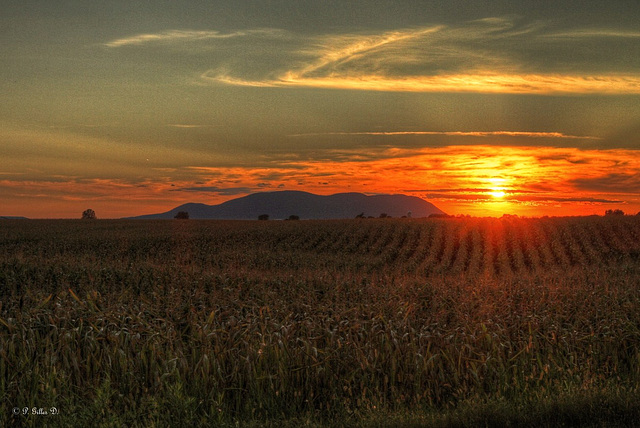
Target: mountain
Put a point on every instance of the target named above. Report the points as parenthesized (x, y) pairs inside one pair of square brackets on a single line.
[(280, 205)]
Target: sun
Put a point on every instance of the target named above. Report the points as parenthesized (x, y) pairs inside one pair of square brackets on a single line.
[(497, 189)]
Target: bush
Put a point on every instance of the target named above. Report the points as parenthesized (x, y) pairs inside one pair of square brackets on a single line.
[(89, 214), (182, 215)]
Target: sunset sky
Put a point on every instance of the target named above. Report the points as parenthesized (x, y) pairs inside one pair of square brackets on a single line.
[(481, 107)]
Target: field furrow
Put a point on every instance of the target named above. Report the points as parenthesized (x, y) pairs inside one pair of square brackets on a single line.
[(434, 250), (463, 249), (477, 248), (445, 257)]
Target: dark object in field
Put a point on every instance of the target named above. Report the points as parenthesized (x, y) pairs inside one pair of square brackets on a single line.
[(89, 214)]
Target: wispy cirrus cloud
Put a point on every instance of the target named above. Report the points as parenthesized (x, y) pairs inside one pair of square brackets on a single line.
[(524, 134), (479, 83), (594, 33), (188, 125), (177, 36), (493, 55)]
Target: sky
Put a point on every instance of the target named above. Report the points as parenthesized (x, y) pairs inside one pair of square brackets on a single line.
[(484, 108)]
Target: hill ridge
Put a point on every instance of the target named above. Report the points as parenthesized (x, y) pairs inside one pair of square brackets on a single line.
[(305, 205)]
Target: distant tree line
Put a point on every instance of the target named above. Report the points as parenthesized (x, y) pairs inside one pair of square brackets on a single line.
[(90, 214), (382, 215), (614, 212)]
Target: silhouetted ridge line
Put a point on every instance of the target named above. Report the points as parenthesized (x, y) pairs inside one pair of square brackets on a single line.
[(281, 205)]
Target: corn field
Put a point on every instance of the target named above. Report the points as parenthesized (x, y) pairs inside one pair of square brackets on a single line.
[(213, 323)]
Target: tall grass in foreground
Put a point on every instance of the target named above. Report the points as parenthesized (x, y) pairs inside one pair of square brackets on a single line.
[(419, 322)]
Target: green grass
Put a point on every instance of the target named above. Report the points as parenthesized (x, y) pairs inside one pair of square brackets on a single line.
[(475, 322)]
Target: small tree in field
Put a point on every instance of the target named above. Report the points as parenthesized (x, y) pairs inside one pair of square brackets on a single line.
[(263, 217), (89, 214), (182, 215), (293, 217), (614, 212)]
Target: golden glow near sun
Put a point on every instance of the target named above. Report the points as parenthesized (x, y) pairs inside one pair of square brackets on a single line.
[(474, 180)]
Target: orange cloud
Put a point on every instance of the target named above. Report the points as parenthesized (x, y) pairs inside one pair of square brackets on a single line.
[(462, 134), (477, 180), (479, 83)]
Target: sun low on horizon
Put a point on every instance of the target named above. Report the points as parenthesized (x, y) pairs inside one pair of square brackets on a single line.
[(131, 109)]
